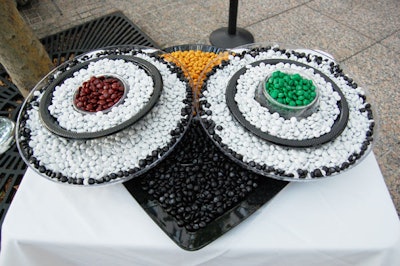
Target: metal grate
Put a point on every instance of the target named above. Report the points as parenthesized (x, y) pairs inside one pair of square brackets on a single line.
[(12, 167), (111, 30), (114, 29), (10, 98)]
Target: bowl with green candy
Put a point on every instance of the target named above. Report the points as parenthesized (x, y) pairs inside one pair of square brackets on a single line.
[(291, 93)]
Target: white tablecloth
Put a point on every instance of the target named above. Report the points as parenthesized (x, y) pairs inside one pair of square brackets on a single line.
[(347, 219)]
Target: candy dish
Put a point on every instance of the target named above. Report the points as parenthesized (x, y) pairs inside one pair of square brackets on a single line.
[(115, 157), (122, 88), (289, 105), (333, 139)]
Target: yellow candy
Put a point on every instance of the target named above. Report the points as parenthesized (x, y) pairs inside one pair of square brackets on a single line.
[(196, 62)]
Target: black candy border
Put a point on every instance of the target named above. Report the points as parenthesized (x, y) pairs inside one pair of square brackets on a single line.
[(268, 171), (23, 134)]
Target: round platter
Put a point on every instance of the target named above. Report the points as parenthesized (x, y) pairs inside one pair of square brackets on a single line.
[(336, 137), (54, 126), (119, 156)]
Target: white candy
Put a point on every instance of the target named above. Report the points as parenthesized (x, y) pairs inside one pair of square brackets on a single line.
[(255, 149), (122, 151), (140, 90)]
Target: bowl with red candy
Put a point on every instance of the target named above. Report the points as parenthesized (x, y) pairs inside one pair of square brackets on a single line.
[(100, 93)]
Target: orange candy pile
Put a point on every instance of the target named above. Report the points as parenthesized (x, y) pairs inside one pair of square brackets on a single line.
[(195, 63)]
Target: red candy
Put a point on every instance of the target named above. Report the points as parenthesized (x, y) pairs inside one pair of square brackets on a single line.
[(99, 94)]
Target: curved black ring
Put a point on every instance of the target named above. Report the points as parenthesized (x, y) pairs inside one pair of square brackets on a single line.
[(51, 123), (336, 129)]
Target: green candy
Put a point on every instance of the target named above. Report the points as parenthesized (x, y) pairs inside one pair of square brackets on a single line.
[(275, 74), (290, 89), (296, 77), (286, 79), (274, 94)]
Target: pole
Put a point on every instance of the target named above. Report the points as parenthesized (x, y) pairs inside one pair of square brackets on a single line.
[(233, 10), (231, 36)]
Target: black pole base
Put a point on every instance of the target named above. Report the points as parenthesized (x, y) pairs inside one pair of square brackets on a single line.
[(221, 38)]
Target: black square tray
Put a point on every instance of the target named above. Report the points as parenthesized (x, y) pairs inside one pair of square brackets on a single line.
[(192, 240)]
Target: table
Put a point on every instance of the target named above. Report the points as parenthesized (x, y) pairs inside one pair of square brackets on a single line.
[(348, 219)]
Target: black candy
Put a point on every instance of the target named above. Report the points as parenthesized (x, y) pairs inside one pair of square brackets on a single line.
[(197, 183)]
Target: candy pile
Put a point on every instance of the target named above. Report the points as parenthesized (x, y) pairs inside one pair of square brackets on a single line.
[(198, 183), (195, 63), (99, 94), (290, 89)]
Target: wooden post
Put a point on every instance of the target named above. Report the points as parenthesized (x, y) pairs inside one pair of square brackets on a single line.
[(21, 53)]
